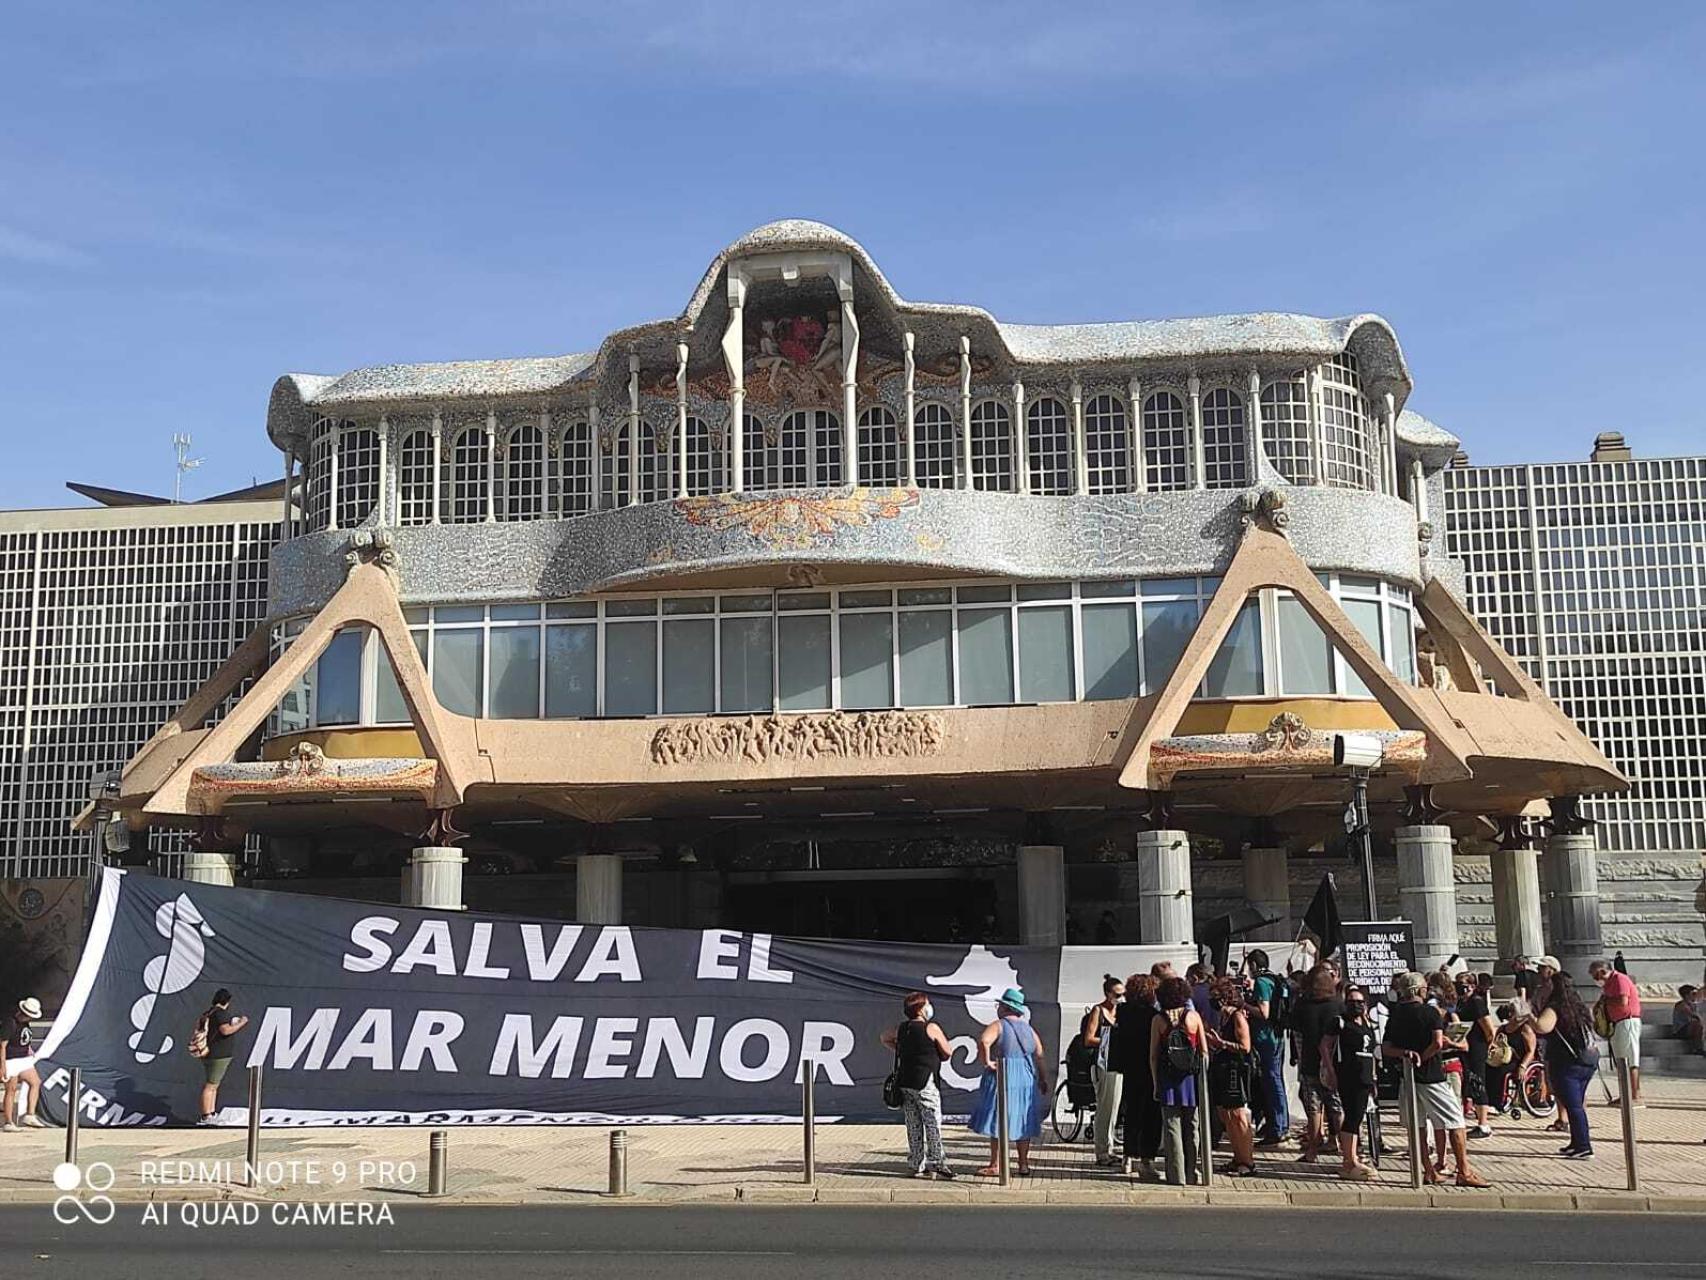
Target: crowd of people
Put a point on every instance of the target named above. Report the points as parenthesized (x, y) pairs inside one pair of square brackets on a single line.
[(1158, 1046)]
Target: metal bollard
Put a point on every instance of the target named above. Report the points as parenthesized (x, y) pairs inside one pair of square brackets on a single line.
[(252, 1158), (74, 1115), (1626, 1104), (1412, 1105), (438, 1162), (1004, 1141), (1205, 1129), (808, 1121), (618, 1162)]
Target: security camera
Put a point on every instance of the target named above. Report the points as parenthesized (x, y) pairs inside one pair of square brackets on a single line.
[(1357, 750)]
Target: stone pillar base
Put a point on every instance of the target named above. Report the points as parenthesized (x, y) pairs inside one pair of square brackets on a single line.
[(1042, 895), (210, 868), (1267, 888), (1571, 871), (433, 878), (598, 888), (1164, 889), (1427, 892)]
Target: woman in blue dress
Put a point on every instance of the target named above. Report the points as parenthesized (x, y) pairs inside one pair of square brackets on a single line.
[(1010, 1045)]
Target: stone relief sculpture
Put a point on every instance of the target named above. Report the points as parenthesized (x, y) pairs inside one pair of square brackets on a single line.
[(831, 735)]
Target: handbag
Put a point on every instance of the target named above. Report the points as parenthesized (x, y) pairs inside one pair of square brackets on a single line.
[(891, 1086)]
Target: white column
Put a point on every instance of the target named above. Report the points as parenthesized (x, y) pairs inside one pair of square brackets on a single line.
[(597, 452), (1427, 894), (734, 360), (1199, 478), (437, 466), (491, 466), (1391, 433), (681, 419), (1021, 438), (210, 868), (386, 488), (285, 531), (553, 449), (965, 412), (1080, 454), (911, 407), (1571, 872), (1253, 425), (598, 888), (1164, 888), (1516, 904), (1042, 895), (336, 431), (849, 386), (633, 428), (1313, 386), (1418, 489), (433, 878), (1134, 426), (1267, 888)]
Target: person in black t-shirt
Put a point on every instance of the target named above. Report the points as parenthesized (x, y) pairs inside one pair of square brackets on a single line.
[(222, 1025), (1472, 1010), (1310, 1018), (920, 1049), (1525, 979), (1348, 1069), (1415, 1033)]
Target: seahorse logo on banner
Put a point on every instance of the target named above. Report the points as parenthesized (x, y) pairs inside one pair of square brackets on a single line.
[(989, 973), (181, 923)]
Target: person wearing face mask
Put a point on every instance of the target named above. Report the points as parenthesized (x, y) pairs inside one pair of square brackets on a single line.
[(920, 1049)]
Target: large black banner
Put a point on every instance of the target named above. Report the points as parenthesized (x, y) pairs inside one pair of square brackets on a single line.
[(368, 1014)]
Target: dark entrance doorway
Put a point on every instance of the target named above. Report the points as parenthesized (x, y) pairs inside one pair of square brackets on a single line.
[(911, 905)]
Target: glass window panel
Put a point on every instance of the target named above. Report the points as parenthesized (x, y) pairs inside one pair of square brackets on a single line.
[(746, 663), (1169, 586), (631, 669), (571, 670), (460, 613), (1166, 630), (1306, 659), (924, 595), (745, 604), (1403, 643), (807, 600), (926, 658), (388, 704), (457, 679), (1110, 651), (985, 595), (986, 656), (515, 673), (866, 599), (1366, 615), (1236, 671), (338, 679), (1045, 655), (572, 609), (1367, 586), (1045, 591), (689, 666), (515, 612), (690, 604), (411, 616), (867, 659), (630, 609), (802, 662), (1115, 589)]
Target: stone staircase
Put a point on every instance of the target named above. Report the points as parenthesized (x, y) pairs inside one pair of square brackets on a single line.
[(1661, 1055)]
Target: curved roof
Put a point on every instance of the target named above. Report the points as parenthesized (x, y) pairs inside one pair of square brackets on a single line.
[(1204, 338), (1432, 442)]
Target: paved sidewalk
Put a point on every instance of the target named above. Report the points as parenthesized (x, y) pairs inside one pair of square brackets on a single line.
[(856, 1164)]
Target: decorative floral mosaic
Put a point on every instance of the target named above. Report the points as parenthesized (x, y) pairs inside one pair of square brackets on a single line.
[(796, 522), (1282, 746)]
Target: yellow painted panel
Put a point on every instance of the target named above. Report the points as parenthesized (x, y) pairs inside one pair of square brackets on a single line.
[(1253, 716), (350, 744)]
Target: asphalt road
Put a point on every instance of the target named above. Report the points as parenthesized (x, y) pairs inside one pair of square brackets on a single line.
[(829, 1243)]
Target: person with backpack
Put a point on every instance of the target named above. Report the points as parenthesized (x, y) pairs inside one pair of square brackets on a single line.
[(920, 1049), (1269, 1004), (1571, 1059), (214, 1041), (1177, 1039), (1098, 1038)]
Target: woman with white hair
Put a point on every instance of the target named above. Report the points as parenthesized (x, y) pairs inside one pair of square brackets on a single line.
[(1415, 1033)]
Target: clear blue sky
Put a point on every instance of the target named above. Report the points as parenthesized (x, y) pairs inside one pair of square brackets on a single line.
[(199, 197)]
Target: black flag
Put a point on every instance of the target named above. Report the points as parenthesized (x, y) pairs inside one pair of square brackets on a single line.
[(1322, 918)]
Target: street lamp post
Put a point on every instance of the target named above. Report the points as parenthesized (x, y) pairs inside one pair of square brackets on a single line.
[(1361, 754)]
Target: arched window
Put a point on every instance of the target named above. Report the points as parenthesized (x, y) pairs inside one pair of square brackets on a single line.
[(1285, 430), (470, 471), (991, 446), (826, 464), (704, 463), (1107, 445), (809, 450), (414, 478), (320, 444), (358, 474), (1225, 463), (933, 451), (1347, 447), (616, 486), (1048, 437), (879, 448), (524, 474), (574, 470), (759, 458), (1166, 443)]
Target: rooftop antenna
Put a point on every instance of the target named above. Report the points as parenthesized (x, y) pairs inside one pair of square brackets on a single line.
[(181, 446)]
